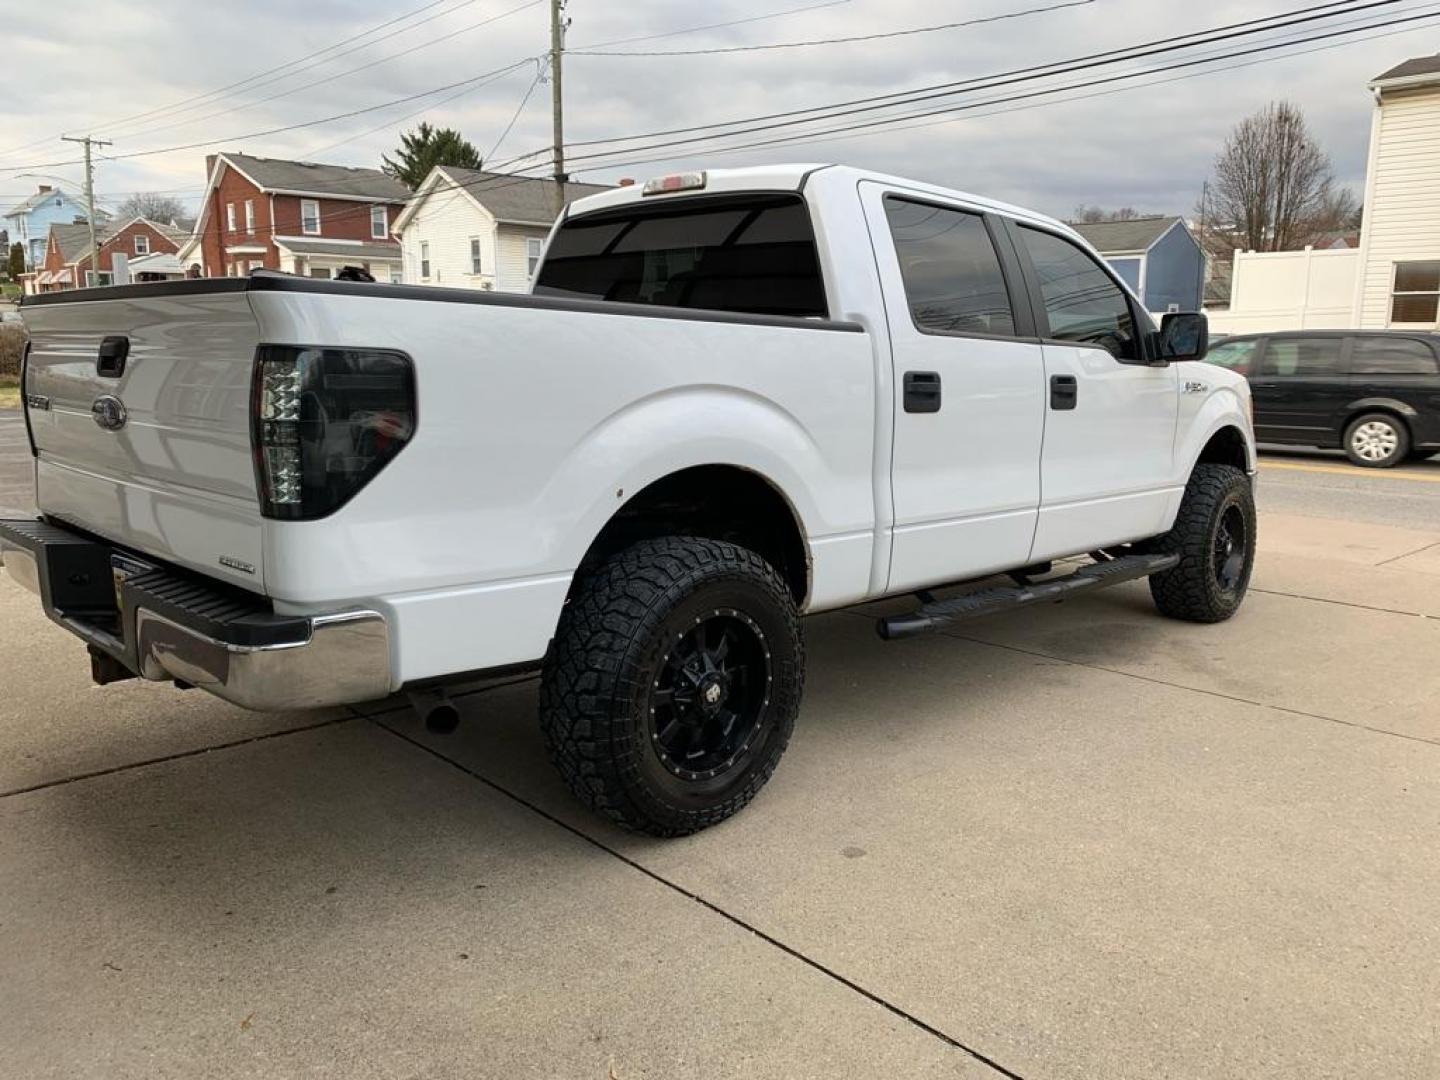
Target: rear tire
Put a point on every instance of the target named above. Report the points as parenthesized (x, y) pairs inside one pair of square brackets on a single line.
[(1214, 535), (1377, 441), (672, 686)]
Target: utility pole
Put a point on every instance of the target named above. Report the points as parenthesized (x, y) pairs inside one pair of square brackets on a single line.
[(89, 141), (558, 24)]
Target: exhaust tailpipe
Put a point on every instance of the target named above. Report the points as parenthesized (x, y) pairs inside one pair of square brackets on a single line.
[(436, 709)]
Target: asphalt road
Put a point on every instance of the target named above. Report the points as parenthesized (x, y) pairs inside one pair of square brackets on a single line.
[(1066, 843), (1322, 483)]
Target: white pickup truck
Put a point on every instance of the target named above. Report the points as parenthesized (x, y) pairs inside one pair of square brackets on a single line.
[(733, 398)]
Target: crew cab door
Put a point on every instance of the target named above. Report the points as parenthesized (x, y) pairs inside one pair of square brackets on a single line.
[(1107, 466), (968, 389)]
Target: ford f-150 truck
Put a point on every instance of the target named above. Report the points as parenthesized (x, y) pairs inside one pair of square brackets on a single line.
[(732, 398)]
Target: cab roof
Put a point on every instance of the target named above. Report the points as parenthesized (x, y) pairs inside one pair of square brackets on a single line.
[(794, 177)]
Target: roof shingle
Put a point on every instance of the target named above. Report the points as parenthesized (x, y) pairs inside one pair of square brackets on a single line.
[(1420, 65), (313, 178), (518, 200), (1137, 234)]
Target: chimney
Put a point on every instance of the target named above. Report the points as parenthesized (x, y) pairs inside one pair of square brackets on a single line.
[(209, 165), (627, 181), (44, 188)]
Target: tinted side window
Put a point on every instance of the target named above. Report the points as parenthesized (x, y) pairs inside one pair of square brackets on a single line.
[(754, 254), (1235, 355), (1391, 356), (1083, 303), (1303, 356), (953, 281)]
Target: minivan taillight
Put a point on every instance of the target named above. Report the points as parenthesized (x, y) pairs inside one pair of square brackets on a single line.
[(324, 422)]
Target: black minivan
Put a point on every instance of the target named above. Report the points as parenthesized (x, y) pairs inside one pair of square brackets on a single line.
[(1373, 393)]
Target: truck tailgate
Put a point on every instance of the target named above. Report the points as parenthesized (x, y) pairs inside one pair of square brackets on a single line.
[(155, 456)]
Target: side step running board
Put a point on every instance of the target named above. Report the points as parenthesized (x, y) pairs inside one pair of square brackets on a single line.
[(938, 614)]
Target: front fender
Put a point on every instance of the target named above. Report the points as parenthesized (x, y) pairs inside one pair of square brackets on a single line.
[(1225, 406)]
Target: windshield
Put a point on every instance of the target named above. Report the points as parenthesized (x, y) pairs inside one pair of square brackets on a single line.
[(754, 254)]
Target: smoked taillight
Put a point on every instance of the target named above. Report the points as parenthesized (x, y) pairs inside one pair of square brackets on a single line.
[(324, 423)]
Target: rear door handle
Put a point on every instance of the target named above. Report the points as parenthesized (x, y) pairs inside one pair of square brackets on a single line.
[(111, 361), (1064, 391), (922, 391)]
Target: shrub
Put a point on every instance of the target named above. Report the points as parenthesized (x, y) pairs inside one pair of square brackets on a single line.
[(12, 343)]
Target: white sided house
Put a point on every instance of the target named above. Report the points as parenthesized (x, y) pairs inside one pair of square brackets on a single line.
[(469, 229), (1392, 280)]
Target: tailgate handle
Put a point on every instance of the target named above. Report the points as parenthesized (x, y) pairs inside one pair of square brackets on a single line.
[(113, 351)]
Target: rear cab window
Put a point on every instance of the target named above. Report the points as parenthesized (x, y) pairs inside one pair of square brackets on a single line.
[(753, 254)]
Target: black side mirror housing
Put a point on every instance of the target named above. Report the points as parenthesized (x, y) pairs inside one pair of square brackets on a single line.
[(1184, 335)]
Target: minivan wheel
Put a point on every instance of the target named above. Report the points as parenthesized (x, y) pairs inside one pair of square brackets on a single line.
[(1376, 441), (671, 689)]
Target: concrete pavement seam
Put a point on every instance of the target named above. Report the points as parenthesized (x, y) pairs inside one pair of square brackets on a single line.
[(1407, 554), (1194, 689), (178, 756), (1346, 603), (709, 905)]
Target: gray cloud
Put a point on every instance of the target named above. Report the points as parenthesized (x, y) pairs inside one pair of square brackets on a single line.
[(84, 66)]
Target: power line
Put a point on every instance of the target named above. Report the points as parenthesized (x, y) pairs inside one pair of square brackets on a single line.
[(844, 40), (898, 96), (286, 127), (887, 121), (943, 90), (246, 81), (716, 26), (301, 64), (539, 72), (341, 74)]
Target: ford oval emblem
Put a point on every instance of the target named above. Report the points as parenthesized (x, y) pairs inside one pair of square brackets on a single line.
[(109, 412)]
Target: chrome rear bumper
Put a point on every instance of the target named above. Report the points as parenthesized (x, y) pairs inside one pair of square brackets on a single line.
[(163, 627)]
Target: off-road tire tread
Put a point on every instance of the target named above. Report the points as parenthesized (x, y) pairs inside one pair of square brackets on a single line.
[(591, 673), (1189, 591)]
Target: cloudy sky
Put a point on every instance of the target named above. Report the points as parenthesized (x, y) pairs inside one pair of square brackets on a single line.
[(173, 73)]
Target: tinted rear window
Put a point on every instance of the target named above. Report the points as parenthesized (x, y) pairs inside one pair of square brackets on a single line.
[(754, 255), (1392, 356)]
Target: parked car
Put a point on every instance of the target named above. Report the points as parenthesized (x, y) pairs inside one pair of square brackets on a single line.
[(1373, 393), (736, 397)]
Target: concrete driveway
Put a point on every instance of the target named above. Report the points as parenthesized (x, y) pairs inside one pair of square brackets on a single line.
[(1076, 842)]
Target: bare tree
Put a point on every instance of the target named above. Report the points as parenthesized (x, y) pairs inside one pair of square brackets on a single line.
[(152, 205), (1089, 215), (1273, 187)]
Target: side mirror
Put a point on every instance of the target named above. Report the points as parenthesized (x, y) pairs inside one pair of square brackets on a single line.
[(1184, 335)]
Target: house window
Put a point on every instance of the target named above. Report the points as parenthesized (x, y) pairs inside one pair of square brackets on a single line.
[(396, 276), (230, 216), (1415, 297), (533, 248), (379, 223), (425, 260), (142, 244), (310, 217), (475, 256), (250, 217)]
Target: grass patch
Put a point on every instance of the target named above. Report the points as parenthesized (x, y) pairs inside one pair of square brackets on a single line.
[(9, 392)]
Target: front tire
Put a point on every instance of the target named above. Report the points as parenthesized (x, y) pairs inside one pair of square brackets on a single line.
[(1214, 535), (672, 686), (1377, 441)]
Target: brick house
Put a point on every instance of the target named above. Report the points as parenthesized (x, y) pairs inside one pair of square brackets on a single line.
[(65, 263), (295, 216)]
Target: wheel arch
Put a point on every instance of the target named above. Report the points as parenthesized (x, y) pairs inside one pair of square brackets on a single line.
[(718, 501), (1406, 414)]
